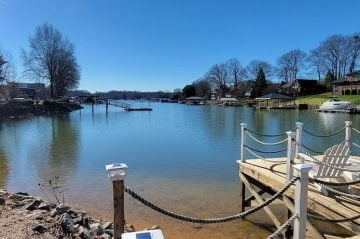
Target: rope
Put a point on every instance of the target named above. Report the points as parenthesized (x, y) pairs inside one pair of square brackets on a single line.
[(356, 130), (356, 145), (310, 149), (266, 152), (325, 135), (266, 159), (341, 193), (266, 135), (283, 227), (349, 219), (333, 184), (265, 143), (210, 220)]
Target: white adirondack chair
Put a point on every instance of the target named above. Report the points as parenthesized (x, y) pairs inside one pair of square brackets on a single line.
[(336, 156)]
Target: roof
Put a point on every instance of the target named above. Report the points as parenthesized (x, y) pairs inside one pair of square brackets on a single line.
[(274, 96), (194, 98), (306, 82), (354, 74), (228, 99)]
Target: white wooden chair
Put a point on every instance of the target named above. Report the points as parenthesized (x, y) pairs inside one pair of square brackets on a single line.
[(335, 158)]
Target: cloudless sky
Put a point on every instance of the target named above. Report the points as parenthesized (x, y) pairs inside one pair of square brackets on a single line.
[(165, 44)]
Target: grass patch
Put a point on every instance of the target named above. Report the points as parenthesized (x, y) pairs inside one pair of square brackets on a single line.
[(320, 98)]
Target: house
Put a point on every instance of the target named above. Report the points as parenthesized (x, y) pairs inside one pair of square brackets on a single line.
[(26, 90), (349, 85), (299, 87)]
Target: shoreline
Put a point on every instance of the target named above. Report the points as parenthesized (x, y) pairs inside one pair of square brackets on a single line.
[(24, 216)]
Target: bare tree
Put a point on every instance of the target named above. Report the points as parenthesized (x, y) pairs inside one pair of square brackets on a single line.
[(7, 68), (218, 75), (316, 63), (254, 66), (202, 87), (290, 64), (51, 57), (236, 72), (356, 51)]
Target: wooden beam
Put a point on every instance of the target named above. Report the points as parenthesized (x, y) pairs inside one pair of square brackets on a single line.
[(260, 201)]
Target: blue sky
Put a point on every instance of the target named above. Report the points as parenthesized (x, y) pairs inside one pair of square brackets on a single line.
[(165, 44)]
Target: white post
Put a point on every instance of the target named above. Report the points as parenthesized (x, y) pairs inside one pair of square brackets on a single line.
[(299, 128), (301, 196), (243, 142), (290, 155), (348, 133)]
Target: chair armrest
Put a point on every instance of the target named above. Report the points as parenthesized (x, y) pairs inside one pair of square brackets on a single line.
[(306, 157)]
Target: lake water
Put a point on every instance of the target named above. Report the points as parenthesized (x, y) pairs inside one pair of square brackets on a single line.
[(180, 157)]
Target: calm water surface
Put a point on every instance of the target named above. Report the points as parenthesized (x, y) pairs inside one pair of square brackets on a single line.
[(180, 157)]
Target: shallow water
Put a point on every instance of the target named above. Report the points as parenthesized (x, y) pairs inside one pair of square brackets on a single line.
[(180, 157)]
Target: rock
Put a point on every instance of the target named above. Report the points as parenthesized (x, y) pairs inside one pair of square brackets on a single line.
[(66, 223), (96, 228), (40, 228), (78, 221), (110, 232), (35, 216), (32, 205), (3, 193), (84, 233), (129, 228), (59, 210), (72, 214), (44, 206), (2, 201), (155, 227), (22, 194), (105, 236), (85, 222), (108, 225)]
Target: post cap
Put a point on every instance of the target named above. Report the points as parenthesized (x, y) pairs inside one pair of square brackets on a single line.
[(243, 124), (299, 123), (303, 167), (348, 123), (116, 171)]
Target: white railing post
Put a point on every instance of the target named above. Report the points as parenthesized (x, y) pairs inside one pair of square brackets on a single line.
[(299, 128), (301, 196), (117, 173), (243, 142), (290, 155), (348, 133)]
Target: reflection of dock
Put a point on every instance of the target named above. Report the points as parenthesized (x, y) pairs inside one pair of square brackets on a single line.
[(126, 107)]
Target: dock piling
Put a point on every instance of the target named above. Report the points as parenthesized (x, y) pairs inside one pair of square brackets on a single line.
[(299, 127), (242, 159), (348, 133), (301, 196)]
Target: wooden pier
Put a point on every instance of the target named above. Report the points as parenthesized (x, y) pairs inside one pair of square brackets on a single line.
[(270, 176), (126, 107)]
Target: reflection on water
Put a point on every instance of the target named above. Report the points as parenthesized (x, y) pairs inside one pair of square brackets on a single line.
[(181, 157)]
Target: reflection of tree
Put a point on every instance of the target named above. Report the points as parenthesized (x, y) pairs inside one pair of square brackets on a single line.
[(63, 150), (4, 168)]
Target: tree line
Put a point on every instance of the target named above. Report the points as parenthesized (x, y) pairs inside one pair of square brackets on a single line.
[(335, 57), (50, 58)]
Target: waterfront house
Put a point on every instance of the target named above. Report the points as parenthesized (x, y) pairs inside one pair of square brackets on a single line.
[(299, 87), (349, 85), (26, 90), (195, 100), (275, 101)]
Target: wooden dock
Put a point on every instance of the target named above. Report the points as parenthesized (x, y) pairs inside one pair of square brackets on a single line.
[(126, 107), (270, 176)]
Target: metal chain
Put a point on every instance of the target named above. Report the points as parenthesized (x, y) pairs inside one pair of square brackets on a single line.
[(266, 152), (349, 219), (210, 220), (283, 227), (265, 143), (266, 135)]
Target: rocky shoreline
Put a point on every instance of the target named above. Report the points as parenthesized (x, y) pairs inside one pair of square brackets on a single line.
[(24, 216), (21, 109)]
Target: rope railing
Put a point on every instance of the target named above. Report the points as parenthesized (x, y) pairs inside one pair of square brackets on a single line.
[(341, 193), (282, 228), (254, 154), (265, 143), (266, 152), (356, 145), (209, 220), (304, 148), (356, 130), (332, 183), (325, 135), (267, 135)]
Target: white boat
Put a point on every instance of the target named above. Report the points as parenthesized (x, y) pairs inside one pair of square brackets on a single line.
[(334, 104)]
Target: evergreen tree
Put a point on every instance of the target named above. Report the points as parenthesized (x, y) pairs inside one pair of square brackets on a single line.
[(260, 83), (328, 79)]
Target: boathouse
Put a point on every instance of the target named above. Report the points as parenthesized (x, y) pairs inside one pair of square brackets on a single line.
[(275, 101), (195, 100), (349, 85)]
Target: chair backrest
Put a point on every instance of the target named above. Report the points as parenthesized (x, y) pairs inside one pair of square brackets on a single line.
[(337, 156)]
